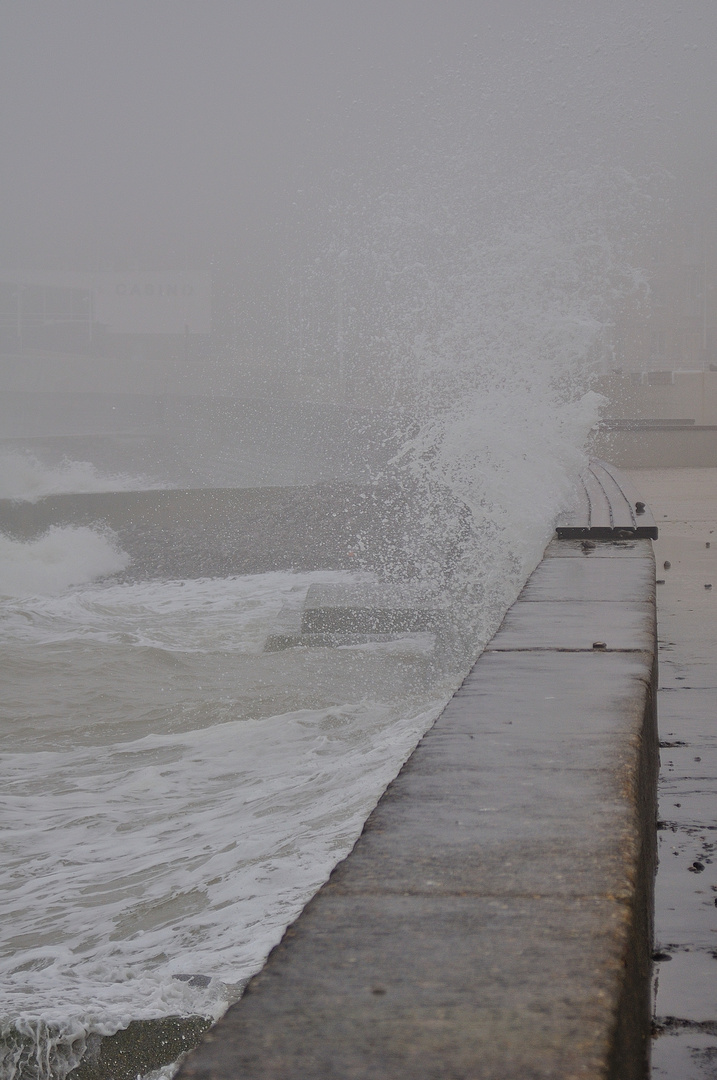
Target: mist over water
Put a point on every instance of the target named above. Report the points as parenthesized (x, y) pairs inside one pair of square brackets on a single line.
[(422, 222)]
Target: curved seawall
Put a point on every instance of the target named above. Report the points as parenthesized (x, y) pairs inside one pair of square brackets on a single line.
[(494, 918)]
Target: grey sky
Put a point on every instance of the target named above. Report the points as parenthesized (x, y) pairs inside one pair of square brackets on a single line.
[(154, 130)]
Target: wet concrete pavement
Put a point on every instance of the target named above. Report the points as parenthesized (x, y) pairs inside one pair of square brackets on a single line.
[(493, 920), (684, 503)]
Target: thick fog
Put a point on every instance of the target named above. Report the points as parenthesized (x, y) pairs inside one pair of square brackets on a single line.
[(152, 133), (263, 143)]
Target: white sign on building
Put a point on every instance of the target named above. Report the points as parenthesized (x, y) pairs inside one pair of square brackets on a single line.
[(143, 302)]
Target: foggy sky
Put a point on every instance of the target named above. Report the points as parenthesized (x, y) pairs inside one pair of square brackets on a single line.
[(150, 132)]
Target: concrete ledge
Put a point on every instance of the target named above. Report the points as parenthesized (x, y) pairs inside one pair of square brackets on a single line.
[(494, 918)]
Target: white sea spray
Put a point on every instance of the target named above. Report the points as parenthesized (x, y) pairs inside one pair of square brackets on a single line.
[(62, 557)]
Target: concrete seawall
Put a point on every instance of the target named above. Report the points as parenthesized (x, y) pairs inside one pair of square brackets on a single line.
[(494, 918)]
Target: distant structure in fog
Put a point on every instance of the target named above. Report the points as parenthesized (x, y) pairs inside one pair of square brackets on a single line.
[(677, 327), (662, 390), (138, 315)]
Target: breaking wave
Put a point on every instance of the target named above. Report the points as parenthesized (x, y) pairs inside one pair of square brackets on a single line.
[(25, 478), (63, 557)]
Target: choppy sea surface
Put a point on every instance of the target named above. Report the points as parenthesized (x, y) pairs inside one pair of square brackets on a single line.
[(173, 794)]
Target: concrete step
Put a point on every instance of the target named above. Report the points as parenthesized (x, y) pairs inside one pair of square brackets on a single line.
[(356, 614)]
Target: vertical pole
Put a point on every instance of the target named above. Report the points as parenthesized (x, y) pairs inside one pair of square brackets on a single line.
[(340, 334), (91, 315), (704, 298), (19, 317)]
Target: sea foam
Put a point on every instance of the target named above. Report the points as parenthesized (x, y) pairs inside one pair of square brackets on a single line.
[(25, 478), (62, 557)]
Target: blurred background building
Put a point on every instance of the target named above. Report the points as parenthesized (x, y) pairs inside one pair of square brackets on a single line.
[(135, 331), (673, 327)]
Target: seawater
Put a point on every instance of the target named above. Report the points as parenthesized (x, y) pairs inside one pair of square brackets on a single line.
[(173, 793)]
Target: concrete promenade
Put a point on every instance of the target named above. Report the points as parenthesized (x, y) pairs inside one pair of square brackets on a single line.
[(494, 918), (684, 502)]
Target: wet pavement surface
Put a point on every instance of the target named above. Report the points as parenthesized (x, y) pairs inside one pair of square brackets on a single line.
[(684, 503)]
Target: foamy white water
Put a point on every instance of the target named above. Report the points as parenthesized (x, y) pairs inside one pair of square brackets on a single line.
[(60, 558), (24, 477), (165, 812), (182, 852)]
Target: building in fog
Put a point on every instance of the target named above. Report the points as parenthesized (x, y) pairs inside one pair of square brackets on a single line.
[(674, 326), (137, 315), (662, 389)]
